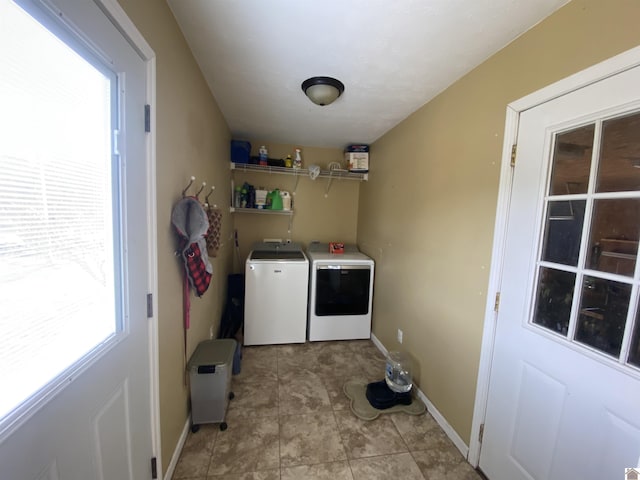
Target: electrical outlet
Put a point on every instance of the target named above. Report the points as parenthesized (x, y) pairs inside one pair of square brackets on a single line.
[(399, 336), (211, 332)]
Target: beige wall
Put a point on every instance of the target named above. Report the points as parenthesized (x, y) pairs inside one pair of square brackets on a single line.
[(428, 211), (192, 139), (333, 217), (426, 215)]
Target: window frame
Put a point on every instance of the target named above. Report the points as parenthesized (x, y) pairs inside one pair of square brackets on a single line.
[(65, 31)]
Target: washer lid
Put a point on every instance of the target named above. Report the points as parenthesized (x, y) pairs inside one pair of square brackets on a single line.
[(276, 255)]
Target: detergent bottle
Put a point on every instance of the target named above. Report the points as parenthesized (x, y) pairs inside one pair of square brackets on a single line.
[(286, 200), (276, 200)]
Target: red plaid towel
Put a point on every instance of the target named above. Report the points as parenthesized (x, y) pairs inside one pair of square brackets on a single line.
[(191, 224), (196, 269)]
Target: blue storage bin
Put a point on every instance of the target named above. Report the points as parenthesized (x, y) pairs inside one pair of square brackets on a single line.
[(240, 151)]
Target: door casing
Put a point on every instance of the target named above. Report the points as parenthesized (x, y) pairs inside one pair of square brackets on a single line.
[(120, 19), (600, 71)]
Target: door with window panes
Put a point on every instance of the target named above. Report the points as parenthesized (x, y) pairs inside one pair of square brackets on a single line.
[(564, 395), (75, 368)]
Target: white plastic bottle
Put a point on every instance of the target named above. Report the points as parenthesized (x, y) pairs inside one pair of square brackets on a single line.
[(297, 161), (263, 155)]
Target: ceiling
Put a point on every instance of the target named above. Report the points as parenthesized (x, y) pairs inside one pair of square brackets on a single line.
[(392, 56)]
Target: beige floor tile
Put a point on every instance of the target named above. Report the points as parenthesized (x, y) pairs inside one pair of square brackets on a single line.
[(259, 363), (334, 346), (323, 471), (195, 455), (368, 438), (290, 420), (294, 358), (302, 392), (363, 345), (386, 467), (253, 399), (262, 353), (263, 475), (464, 471), (338, 363), (335, 390), (368, 353), (420, 432), (444, 464), (309, 439), (250, 445), (372, 367)]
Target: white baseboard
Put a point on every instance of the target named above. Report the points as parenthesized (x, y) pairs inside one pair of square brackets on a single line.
[(437, 416), (176, 452), (377, 343)]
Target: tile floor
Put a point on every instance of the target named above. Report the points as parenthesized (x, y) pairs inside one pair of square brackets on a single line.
[(290, 420)]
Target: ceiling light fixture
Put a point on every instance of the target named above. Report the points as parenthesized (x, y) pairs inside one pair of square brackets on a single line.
[(322, 90)]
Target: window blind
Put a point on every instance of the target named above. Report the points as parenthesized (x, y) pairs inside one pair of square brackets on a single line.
[(58, 278)]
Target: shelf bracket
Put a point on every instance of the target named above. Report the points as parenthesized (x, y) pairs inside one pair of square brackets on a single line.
[(326, 192), (295, 187)]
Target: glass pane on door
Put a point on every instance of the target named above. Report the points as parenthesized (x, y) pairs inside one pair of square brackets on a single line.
[(555, 294), (613, 243), (563, 231), (603, 314), (572, 161), (619, 167), (59, 268)]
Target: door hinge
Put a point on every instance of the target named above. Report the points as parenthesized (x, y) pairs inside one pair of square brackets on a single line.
[(149, 305), (147, 118), (154, 467), (514, 150), (496, 304), (481, 433)]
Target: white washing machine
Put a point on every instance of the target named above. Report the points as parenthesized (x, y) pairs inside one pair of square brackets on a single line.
[(340, 293), (276, 292)]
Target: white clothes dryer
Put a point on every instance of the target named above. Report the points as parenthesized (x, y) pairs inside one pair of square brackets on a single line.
[(340, 293)]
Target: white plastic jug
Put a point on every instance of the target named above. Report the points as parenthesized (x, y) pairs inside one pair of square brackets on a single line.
[(286, 200)]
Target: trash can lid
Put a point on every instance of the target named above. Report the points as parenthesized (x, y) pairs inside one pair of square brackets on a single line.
[(213, 352)]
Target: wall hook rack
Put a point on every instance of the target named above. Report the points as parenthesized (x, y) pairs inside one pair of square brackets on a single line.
[(191, 180), (204, 184), (206, 199)]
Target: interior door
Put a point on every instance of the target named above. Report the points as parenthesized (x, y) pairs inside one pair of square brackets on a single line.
[(92, 421), (565, 377)]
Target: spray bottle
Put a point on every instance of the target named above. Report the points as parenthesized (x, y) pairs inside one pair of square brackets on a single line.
[(297, 161)]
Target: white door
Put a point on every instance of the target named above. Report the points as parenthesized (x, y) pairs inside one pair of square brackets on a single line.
[(91, 417), (564, 390)]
